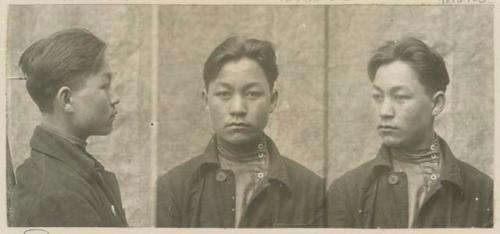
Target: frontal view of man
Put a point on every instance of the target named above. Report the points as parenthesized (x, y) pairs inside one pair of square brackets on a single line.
[(241, 180), (61, 184), (414, 181)]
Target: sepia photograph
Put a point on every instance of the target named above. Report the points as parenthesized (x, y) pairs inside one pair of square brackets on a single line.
[(146, 116)]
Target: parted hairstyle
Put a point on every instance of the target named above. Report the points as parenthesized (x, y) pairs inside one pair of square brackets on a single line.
[(235, 48), (65, 58), (426, 62)]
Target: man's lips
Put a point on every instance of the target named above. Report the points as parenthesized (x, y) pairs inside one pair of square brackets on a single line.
[(238, 125), (386, 127)]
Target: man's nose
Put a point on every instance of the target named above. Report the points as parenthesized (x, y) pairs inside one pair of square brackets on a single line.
[(238, 106), (386, 109), (115, 99)]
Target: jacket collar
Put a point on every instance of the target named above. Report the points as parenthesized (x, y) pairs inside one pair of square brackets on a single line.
[(277, 170), (62, 149), (450, 170)]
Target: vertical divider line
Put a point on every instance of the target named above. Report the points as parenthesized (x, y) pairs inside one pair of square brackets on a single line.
[(154, 111), (326, 96)]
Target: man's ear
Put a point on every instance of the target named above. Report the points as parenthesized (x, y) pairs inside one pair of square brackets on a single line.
[(274, 100), (64, 99), (204, 97), (439, 101)]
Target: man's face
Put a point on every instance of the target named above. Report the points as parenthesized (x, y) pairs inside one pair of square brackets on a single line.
[(239, 101), (94, 104), (404, 108)]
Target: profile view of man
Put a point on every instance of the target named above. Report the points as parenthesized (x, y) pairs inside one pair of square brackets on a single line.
[(414, 181), (61, 184), (241, 179)]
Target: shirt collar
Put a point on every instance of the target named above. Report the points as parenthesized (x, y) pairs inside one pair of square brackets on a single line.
[(450, 170), (63, 149), (250, 153), (277, 170)]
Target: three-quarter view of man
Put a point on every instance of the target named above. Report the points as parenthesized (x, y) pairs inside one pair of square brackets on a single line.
[(415, 180)]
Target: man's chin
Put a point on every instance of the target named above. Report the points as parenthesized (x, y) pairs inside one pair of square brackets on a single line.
[(104, 131), (238, 138), (391, 141)]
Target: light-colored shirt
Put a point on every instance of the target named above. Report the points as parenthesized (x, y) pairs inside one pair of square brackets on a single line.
[(422, 171)]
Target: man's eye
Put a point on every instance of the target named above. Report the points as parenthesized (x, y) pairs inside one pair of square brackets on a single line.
[(401, 97), (377, 97), (254, 94), (222, 94)]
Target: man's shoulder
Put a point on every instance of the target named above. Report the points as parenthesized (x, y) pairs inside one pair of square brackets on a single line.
[(43, 181), (299, 171), (302, 179), (473, 176), (43, 174), (356, 176), (184, 170)]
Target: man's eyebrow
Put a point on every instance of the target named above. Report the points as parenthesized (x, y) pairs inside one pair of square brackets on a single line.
[(398, 88), (223, 84), (251, 85), (246, 86), (392, 89)]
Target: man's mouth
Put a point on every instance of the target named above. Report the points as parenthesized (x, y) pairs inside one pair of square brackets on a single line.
[(238, 125), (384, 127)]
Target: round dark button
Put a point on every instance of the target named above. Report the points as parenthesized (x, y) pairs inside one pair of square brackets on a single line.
[(220, 176), (393, 179)]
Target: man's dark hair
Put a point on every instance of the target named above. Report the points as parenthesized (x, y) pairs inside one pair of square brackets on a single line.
[(64, 58), (426, 62), (235, 48)]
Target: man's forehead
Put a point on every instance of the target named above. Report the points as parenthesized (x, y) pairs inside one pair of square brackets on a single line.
[(242, 83), (392, 88), (396, 75)]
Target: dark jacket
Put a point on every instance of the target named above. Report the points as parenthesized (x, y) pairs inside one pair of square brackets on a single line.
[(61, 185), (374, 196), (195, 194)]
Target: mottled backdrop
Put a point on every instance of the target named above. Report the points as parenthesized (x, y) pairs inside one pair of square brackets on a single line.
[(323, 119)]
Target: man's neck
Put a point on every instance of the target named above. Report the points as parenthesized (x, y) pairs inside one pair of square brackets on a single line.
[(60, 128), (248, 148), (424, 145)]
